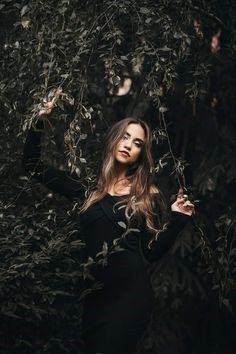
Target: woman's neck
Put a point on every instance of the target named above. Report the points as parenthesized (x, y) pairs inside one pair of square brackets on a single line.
[(120, 183), (120, 172)]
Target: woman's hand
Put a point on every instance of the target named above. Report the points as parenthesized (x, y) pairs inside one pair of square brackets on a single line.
[(48, 106), (183, 204)]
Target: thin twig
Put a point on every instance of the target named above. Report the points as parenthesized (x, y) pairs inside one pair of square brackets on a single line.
[(178, 175)]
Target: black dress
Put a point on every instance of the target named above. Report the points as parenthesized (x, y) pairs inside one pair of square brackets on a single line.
[(116, 315)]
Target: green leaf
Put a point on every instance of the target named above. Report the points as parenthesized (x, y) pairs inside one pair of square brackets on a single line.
[(122, 224), (24, 10), (227, 304), (165, 49), (144, 10), (11, 314)]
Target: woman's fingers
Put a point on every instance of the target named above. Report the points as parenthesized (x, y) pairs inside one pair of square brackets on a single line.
[(187, 207), (181, 195), (188, 203), (182, 203), (48, 106)]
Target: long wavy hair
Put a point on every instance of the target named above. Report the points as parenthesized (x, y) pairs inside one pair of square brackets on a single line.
[(141, 201)]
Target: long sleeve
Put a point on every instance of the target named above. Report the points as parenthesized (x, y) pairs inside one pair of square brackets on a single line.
[(166, 238), (58, 181)]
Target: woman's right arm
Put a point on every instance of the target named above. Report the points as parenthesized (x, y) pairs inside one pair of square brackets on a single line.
[(58, 181)]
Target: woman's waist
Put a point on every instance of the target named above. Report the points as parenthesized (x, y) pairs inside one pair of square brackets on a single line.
[(126, 265)]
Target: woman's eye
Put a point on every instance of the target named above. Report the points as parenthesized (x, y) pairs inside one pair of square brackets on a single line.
[(138, 144)]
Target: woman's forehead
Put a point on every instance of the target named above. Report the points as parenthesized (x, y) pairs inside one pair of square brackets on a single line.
[(135, 131)]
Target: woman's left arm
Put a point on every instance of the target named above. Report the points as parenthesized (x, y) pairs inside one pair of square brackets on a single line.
[(181, 212)]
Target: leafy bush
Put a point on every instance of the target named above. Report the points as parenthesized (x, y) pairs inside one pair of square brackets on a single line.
[(179, 58)]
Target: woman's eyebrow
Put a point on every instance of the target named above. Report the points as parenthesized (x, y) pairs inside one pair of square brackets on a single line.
[(135, 138)]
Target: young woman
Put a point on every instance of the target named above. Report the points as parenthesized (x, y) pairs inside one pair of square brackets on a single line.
[(116, 315)]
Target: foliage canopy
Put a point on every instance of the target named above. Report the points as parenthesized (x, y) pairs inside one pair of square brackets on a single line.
[(168, 62)]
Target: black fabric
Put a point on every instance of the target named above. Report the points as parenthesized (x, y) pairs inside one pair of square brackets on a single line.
[(116, 315), (58, 181)]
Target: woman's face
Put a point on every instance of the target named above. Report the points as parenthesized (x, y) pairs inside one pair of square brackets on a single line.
[(130, 146)]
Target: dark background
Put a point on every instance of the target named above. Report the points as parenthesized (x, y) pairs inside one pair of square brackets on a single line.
[(180, 59)]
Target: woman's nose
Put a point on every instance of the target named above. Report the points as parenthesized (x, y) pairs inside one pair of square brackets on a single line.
[(128, 145)]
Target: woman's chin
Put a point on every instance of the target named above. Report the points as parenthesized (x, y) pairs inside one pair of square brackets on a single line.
[(122, 161)]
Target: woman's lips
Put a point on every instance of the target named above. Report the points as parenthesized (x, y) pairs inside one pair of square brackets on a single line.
[(124, 153)]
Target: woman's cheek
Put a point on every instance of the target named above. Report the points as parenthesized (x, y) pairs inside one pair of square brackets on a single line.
[(136, 155)]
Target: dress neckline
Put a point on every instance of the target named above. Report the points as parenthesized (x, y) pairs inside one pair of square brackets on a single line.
[(121, 195)]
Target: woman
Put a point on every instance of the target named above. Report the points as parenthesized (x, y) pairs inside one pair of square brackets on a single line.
[(125, 198)]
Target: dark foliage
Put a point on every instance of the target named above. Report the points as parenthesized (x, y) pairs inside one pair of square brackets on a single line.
[(178, 57)]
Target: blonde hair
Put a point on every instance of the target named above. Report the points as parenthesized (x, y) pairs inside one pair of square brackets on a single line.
[(141, 202)]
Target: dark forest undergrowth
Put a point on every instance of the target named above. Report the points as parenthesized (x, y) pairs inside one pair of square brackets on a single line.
[(170, 63)]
